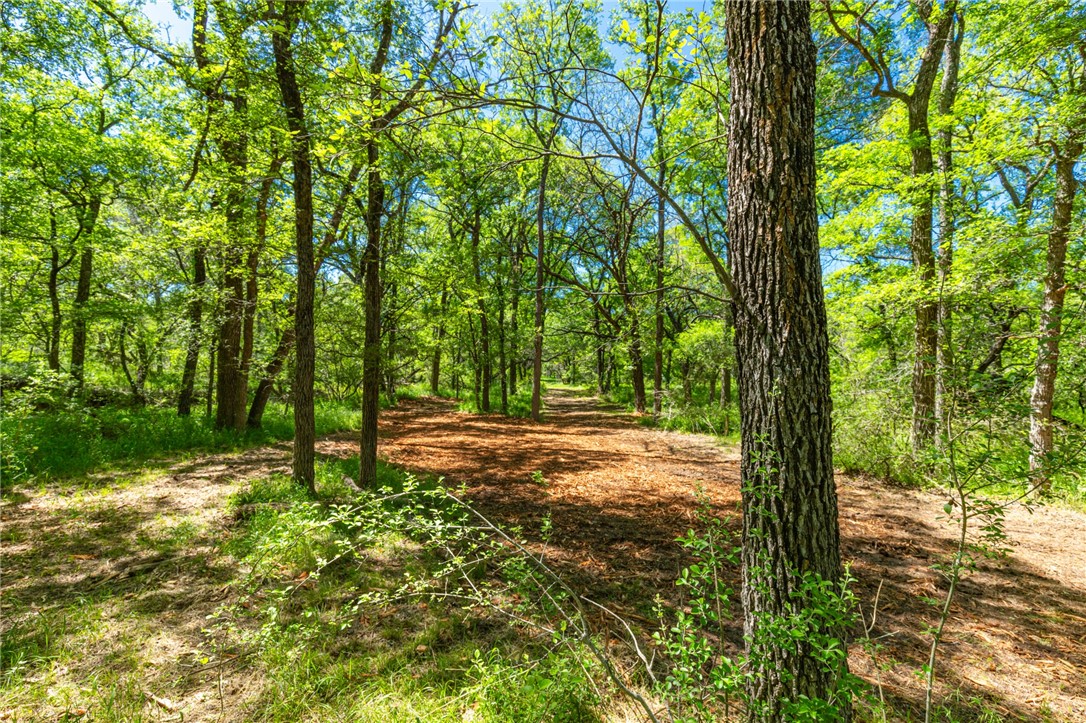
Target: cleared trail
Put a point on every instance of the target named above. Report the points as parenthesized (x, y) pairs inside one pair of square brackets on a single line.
[(149, 545)]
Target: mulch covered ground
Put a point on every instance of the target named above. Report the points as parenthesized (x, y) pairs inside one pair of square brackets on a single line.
[(618, 494)]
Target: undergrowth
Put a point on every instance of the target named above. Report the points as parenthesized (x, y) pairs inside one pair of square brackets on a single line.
[(44, 433)]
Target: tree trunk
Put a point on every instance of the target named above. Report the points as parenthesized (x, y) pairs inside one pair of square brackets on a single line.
[(439, 337), (87, 222), (371, 355), (601, 367), (658, 352), (483, 370), (501, 350), (1048, 348), (196, 312), (637, 367), (210, 380), (540, 230), (271, 371), (302, 171), (55, 320), (790, 532), (725, 386), (944, 351), (514, 336), (925, 336)]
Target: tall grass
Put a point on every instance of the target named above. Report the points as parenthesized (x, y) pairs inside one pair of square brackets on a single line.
[(71, 439)]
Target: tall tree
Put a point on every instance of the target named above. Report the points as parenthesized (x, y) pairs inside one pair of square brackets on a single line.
[(855, 27), (790, 532), (284, 23)]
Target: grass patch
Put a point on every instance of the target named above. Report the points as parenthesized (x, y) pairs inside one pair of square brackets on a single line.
[(316, 615), (75, 440)]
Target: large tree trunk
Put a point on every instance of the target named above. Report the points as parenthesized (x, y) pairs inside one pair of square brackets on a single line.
[(304, 338), (87, 222), (537, 348), (790, 532), (230, 393), (944, 351), (196, 312), (1048, 348)]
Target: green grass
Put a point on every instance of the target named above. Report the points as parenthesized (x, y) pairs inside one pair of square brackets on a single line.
[(77, 440), (700, 415), (325, 657)]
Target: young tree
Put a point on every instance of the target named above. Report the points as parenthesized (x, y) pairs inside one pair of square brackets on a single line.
[(790, 532)]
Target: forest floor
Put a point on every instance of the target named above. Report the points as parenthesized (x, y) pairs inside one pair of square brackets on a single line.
[(123, 571)]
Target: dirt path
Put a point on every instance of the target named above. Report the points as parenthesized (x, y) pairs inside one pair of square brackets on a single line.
[(144, 549)]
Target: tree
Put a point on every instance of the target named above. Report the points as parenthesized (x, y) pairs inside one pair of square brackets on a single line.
[(852, 24), (305, 343), (790, 532)]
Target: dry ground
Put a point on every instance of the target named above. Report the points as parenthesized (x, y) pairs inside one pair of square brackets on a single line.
[(143, 549)]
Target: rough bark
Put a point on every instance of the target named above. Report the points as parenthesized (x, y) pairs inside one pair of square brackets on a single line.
[(1041, 437), (230, 392), (195, 313), (371, 353), (302, 185), (790, 530)]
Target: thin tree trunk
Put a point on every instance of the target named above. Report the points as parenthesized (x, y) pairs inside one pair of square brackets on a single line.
[(267, 381), (725, 386), (790, 532), (196, 312), (483, 369), (305, 340), (944, 351), (439, 338), (637, 367), (87, 223), (56, 320), (501, 350), (1048, 349), (210, 379), (601, 367), (658, 352), (514, 336), (371, 355), (371, 262), (537, 359)]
